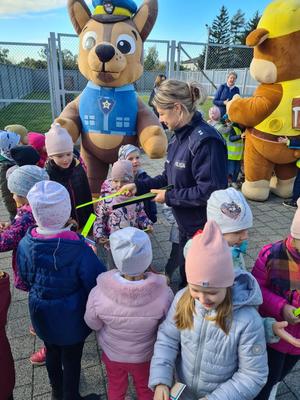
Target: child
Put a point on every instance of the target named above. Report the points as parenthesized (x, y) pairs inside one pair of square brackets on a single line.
[(235, 147), (60, 270), (25, 155), (132, 153), (277, 270), (214, 115), (37, 141), (19, 183), (230, 210), (293, 143), (19, 130), (213, 334), (7, 376), (125, 309), (109, 220), (64, 168), (8, 140)]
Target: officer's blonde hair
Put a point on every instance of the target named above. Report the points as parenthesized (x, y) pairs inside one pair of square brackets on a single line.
[(172, 91)]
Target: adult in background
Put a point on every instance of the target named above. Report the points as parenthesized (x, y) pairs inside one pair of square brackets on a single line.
[(225, 92), (196, 160)]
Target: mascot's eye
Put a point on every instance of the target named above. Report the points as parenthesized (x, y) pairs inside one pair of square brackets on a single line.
[(89, 40), (126, 44)]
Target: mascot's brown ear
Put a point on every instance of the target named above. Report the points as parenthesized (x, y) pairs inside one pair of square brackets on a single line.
[(145, 18), (79, 14), (257, 36)]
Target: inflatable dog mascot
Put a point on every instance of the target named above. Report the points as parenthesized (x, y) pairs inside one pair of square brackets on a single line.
[(108, 112), (274, 109)]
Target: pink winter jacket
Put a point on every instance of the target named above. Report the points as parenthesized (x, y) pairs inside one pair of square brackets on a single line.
[(126, 314), (272, 303)]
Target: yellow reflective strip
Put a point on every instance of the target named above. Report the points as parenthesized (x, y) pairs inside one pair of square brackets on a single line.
[(117, 11)]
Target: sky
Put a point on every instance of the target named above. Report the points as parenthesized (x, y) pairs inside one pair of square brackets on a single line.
[(180, 20)]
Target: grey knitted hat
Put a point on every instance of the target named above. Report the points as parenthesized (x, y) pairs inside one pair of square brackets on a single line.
[(21, 180)]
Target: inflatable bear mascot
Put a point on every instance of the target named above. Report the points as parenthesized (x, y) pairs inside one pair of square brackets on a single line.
[(274, 109), (108, 113)]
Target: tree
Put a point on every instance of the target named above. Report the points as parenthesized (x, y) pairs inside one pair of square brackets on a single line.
[(69, 60), (29, 62), (4, 56), (237, 27), (250, 26), (220, 29), (151, 61), (219, 33)]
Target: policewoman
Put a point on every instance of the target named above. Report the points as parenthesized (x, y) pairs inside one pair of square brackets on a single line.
[(196, 163)]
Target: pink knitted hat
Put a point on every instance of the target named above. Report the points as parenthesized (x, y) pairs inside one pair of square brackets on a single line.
[(58, 140), (295, 228), (122, 170), (209, 261)]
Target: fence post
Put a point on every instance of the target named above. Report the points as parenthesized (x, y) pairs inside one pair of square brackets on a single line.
[(206, 57), (172, 59), (244, 82), (54, 75), (178, 57)]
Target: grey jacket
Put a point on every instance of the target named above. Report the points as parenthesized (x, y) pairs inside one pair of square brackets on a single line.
[(209, 362)]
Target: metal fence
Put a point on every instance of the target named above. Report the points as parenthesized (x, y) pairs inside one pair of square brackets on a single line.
[(25, 84), (209, 64), (38, 80)]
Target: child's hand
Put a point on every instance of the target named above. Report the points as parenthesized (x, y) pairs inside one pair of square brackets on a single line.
[(278, 329), (129, 189), (243, 135), (4, 225), (288, 315), (149, 229), (103, 240), (162, 392), (283, 139)]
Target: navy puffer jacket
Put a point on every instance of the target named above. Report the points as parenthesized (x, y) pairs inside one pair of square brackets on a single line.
[(60, 274)]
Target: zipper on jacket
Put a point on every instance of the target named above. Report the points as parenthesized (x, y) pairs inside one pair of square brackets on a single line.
[(196, 374)]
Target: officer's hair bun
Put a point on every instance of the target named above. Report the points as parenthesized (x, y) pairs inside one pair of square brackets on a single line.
[(198, 93)]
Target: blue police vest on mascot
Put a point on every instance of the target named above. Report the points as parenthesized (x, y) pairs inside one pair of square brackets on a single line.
[(108, 110)]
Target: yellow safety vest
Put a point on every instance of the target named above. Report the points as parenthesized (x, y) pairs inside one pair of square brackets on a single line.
[(235, 149), (279, 123)]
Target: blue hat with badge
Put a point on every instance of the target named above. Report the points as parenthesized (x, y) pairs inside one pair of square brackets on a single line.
[(108, 11)]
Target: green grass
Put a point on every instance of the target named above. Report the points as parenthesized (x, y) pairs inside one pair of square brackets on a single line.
[(35, 117), (38, 117)]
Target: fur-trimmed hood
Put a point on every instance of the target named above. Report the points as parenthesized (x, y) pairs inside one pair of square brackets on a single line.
[(126, 314), (131, 294)]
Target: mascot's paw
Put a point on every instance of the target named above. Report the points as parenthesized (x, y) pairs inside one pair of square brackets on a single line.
[(154, 141), (257, 191), (70, 126), (228, 105), (282, 188)]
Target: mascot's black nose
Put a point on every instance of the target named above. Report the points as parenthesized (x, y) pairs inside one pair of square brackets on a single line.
[(105, 52)]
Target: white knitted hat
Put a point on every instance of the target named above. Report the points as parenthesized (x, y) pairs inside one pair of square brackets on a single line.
[(50, 204), (230, 210), (131, 250)]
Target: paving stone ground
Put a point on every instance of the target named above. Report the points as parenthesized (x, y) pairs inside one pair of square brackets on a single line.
[(271, 222)]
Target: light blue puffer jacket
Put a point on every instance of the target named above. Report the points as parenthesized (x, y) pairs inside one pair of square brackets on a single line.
[(209, 362)]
